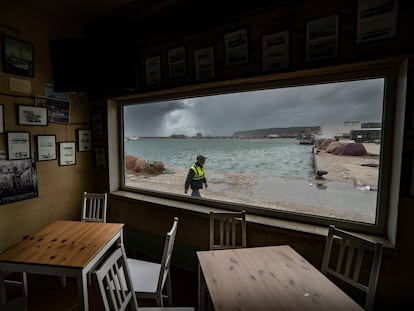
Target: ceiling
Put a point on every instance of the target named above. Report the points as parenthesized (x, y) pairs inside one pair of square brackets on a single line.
[(151, 19)]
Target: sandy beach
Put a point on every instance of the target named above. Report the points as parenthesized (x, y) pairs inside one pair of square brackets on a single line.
[(347, 191)]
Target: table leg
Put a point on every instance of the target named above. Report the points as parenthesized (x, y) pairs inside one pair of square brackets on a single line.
[(82, 282), (201, 290)]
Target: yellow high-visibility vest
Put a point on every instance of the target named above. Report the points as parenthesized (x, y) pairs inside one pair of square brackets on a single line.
[(198, 172)]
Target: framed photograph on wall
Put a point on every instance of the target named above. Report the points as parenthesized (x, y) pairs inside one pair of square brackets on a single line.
[(18, 145), (67, 153), (97, 124), (84, 140), (235, 47), (32, 115), (46, 147), (322, 38), (153, 70), (1, 118), (176, 62), (204, 64), (275, 51), (376, 20), (18, 57), (100, 157)]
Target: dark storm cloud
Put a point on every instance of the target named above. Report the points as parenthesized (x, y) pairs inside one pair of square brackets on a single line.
[(285, 107)]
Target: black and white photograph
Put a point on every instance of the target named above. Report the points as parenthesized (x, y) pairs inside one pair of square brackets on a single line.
[(100, 157), (153, 70), (58, 111), (176, 62), (1, 118), (204, 64), (322, 38), (235, 47), (67, 153), (376, 20), (18, 57), (18, 145), (84, 140), (46, 147), (32, 115), (18, 180), (275, 51), (97, 124)]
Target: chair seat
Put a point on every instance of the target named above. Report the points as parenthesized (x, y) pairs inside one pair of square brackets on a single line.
[(144, 275)]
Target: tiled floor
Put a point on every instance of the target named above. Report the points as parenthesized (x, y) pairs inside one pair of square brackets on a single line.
[(46, 293)]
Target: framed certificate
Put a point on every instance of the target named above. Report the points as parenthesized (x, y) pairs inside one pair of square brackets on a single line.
[(46, 147), (18, 145), (67, 153)]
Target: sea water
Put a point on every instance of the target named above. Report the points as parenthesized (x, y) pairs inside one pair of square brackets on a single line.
[(283, 157)]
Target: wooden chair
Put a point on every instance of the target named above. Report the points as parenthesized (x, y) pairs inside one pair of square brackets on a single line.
[(94, 207), (115, 285), (224, 231), (6, 280), (354, 254), (150, 279)]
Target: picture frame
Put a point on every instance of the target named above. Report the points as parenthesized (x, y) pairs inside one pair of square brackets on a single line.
[(32, 115), (204, 64), (1, 118), (97, 124), (376, 20), (67, 153), (322, 38), (176, 62), (18, 57), (100, 157), (84, 140), (18, 145), (58, 111), (236, 48), (153, 70), (46, 147), (275, 51)]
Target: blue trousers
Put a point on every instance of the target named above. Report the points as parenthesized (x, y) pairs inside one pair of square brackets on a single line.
[(195, 193)]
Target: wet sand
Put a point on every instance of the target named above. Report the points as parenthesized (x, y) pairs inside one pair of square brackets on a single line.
[(342, 193)]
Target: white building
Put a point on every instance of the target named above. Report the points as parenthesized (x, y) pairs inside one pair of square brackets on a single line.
[(338, 129)]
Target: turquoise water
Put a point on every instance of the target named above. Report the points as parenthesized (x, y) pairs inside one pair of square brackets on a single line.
[(274, 157)]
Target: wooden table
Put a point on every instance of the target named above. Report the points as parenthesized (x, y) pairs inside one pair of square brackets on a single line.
[(64, 248), (266, 278)]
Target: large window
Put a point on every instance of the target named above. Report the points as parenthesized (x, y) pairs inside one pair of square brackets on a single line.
[(312, 152)]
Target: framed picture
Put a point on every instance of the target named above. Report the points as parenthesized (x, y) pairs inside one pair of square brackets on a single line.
[(322, 38), (176, 62), (376, 20), (235, 48), (153, 70), (46, 147), (67, 153), (18, 145), (18, 57), (58, 111), (1, 118), (32, 115), (275, 51), (204, 64), (100, 157), (84, 140), (97, 124)]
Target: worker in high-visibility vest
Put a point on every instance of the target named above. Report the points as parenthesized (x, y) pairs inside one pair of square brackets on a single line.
[(195, 177)]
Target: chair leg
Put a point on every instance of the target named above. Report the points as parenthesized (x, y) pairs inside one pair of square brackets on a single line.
[(169, 290), (63, 281)]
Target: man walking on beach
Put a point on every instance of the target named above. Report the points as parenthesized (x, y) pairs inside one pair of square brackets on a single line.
[(195, 177)]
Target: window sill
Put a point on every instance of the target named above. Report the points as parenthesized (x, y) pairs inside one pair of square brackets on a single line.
[(254, 219)]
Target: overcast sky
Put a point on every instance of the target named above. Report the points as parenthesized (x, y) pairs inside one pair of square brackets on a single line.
[(222, 115)]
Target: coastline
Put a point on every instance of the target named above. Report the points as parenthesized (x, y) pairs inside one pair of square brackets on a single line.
[(340, 193)]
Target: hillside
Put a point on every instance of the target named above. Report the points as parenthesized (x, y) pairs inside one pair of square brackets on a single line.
[(281, 131)]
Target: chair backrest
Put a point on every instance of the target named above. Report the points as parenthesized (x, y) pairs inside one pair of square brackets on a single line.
[(114, 283), (355, 253), (94, 206), (227, 230), (167, 255)]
